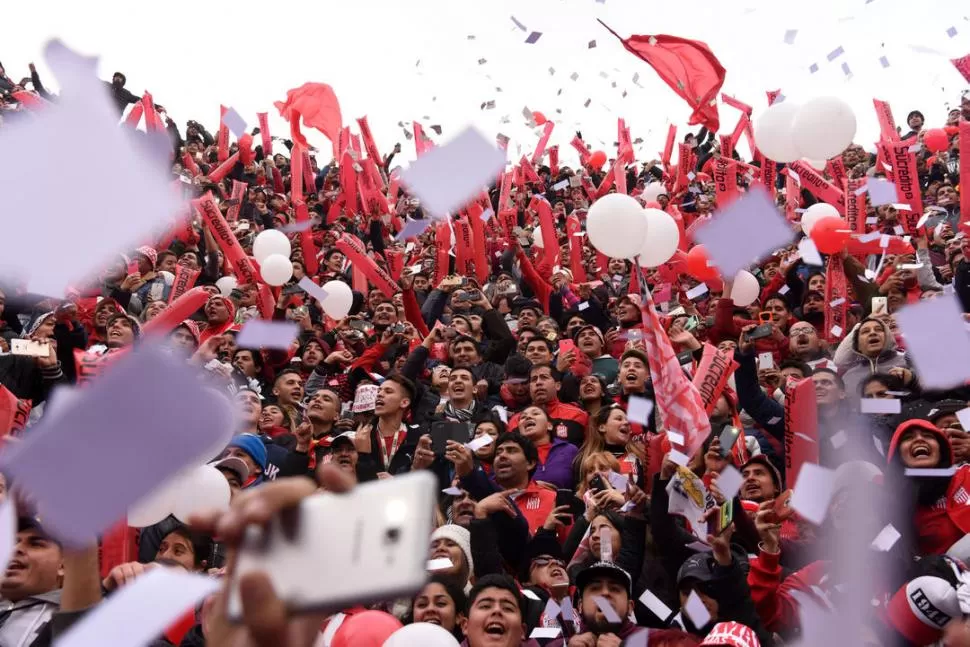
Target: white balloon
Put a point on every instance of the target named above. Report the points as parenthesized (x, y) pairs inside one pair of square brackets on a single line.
[(270, 242), (823, 127), (226, 284), (168, 276), (746, 288), (340, 298), (276, 269), (154, 506), (815, 213), (616, 226), (201, 489), (773, 132), (653, 191), (661, 240), (537, 237), (425, 634)]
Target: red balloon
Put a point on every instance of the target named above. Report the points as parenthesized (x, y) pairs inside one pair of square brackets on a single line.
[(936, 140), (697, 264), (366, 629), (539, 118), (830, 234), (597, 159)]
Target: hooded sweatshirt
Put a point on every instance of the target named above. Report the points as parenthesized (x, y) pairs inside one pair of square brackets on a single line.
[(941, 523), (856, 367)]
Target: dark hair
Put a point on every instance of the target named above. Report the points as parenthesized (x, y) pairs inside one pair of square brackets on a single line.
[(287, 371), (493, 417), (256, 355), (775, 296), (331, 252), (838, 378), (891, 382), (201, 544), (535, 331), (465, 338), (406, 384), (795, 363), (462, 368), (494, 581), (454, 592), (545, 341), (528, 447), (556, 375), (164, 254)]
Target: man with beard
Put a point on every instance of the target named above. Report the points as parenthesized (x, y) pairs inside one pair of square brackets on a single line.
[(603, 581), (385, 315), (631, 324)]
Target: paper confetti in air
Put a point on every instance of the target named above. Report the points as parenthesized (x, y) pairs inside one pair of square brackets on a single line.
[(951, 32), (533, 37), (235, 123), (813, 491), (884, 61), (813, 68), (518, 24), (591, 45), (790, 36), (835, 53), (923, 325), (278, 335)]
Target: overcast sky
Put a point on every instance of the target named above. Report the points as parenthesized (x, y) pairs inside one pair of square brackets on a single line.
[(401, 61)]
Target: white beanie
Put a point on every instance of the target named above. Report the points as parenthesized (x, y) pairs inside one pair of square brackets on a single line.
[(460, 536)]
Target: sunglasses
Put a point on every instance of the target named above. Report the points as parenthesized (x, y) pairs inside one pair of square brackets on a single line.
[(546, 561)]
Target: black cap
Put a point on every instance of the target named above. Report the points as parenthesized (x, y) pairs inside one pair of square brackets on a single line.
[(600, 569), (698, 567)]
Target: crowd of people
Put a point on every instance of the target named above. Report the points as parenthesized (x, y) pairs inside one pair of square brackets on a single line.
[(576, 515)]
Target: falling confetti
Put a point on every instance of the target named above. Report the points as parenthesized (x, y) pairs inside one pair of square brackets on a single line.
[(835, 53), (533, 37), (884, 61), (813, 68), (790, 36)]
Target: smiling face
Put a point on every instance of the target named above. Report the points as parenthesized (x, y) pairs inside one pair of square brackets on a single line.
[(464, 354), (120, 333), (537, 352), (633, 374), (510, 465), (435, 606), (443, 547), (779, 312), (616, 431), (920, 448), (494, 620), (461, 387)]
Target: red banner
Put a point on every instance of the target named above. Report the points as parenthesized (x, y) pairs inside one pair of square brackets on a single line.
[(464, 252), (769, 173), (964, 169), (134, 115), (801, 428), (712, 375), (580, 147), (264, 134), (223, 169), (90, 365), (482, 266), (554, 161), (725, 181), (189, 163), (835, 167), (237, 195), (309, 183), (818, 185), (855, 205), (356, 253), (395, 259), (369, 144), (734, 103), (887, 125), (242, 267), (792, 197), (307, 245), (443, 244), (575, 232), (543, 142), (222, 137), (185, 278), (907, 185), (550, 240), (836, 292)]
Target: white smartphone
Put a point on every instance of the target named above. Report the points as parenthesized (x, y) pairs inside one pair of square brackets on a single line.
[(880, 305), (766, 361), (30, 348), (339, 550)]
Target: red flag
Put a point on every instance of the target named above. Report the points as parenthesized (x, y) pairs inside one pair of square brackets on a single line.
[(679, 401), (689, 67), (963, 66), (318, 105)]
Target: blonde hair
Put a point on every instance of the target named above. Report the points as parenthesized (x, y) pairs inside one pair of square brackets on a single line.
[(590, 463), (595, 440)]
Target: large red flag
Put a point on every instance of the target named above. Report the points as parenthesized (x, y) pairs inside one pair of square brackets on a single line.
[(318, 105), (689, 67), (963, 66)]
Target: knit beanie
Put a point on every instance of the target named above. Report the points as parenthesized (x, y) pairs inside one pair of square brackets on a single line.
[(460, 536)]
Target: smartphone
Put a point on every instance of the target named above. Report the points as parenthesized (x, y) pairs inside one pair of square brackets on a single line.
[(729, 436), (766, 361), (760, 332), (30, 348), (443, 431), (596, 484), (568, 497), (359, 324), (718, 522), (781, 509), (691, 323), (880, 305), (565, 346), (378, 551)]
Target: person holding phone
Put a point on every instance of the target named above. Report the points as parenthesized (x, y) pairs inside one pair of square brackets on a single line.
[(610, 431)]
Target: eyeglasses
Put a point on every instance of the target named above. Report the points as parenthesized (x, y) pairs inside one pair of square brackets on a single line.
[(544, 560)]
